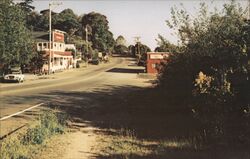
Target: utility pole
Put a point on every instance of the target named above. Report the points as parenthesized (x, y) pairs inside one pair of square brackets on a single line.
[(137, 41), (50, 43), (86, 38)]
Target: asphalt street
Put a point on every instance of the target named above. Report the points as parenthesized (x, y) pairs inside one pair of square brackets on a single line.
[(46, 89)]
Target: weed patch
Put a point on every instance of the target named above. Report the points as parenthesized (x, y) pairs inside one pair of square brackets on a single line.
[(125, 145), (22, 146)]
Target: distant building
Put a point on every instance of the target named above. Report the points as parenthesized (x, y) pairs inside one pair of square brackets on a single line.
[(60, 58), (154, 59)]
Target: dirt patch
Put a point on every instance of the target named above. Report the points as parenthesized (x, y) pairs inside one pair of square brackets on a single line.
[(81, 144)]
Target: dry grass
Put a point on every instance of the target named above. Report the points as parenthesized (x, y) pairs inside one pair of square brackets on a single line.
[(125, 145), (26, 144)]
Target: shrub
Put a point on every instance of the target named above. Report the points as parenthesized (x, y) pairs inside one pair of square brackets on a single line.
[(21, 147), (210, 74), (50, 123)]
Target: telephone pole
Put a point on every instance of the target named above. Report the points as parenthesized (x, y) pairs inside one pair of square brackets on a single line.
[(86, 38), (50, 43), (137, 41)]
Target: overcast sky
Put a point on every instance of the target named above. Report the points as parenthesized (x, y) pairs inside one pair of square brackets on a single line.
[(130, 18)]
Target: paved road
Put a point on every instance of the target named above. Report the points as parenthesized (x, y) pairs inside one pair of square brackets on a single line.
[(16, 97)]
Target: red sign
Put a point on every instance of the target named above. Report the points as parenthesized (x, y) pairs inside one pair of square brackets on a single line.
[(58, 37)]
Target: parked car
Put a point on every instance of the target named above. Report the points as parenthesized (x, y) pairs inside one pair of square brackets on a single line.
[(95, 61), (15, 75)]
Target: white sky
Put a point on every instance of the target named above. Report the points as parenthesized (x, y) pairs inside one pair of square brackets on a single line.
[(144, 18)]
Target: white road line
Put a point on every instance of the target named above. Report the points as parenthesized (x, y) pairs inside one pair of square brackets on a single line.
[(20, 112)]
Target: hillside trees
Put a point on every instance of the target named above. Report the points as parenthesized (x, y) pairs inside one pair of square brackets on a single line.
[(210, 73), (99, 34), (67, 21), (16, 44), (26, 6), (141, 52), (120, 45), (120, 40)]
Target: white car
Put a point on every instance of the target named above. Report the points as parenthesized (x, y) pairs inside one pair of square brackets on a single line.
[(15, 76)]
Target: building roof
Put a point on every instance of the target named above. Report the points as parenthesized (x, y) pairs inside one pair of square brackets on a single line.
[(40, 36)]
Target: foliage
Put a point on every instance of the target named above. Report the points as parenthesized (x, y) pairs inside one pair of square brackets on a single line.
[(36, 63), (131, 49), (12, 148), (67, 21), (209, 71), (25, 144), (164, 45), (26, 6), (120, 49), (120, 40), (141, 51), (141, 48), (98, 31), (48, 124), (120, 45), (16, 45)]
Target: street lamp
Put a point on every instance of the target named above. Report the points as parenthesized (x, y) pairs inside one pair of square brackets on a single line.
[(50, 5)]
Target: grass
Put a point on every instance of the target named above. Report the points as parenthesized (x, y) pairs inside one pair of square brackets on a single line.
[(126, 145), (24, 145), (123, 144), (139, 125)]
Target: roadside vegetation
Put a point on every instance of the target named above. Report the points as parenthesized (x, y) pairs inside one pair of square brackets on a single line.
[(208, 73), (201, 103), (26, 144)]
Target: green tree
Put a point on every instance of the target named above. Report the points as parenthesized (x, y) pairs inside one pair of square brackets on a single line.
[(210, 73), (131, 49), (35, 22), (120, 49), (37, 61), (120, 40), (67, 21), (26, 6), (99, 34), (16, 44), (164, 45), (141, 49), (120, 45)]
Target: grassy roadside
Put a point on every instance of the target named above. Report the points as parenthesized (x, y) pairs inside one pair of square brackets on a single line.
[(26, 144), (135, 123), (125, 145)]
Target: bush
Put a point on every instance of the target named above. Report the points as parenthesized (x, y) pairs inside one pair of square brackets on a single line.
[(13, 149), (50, 123), (210, 74), (21, 147)]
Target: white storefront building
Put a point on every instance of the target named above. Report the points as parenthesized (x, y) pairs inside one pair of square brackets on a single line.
[(60, 58)]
